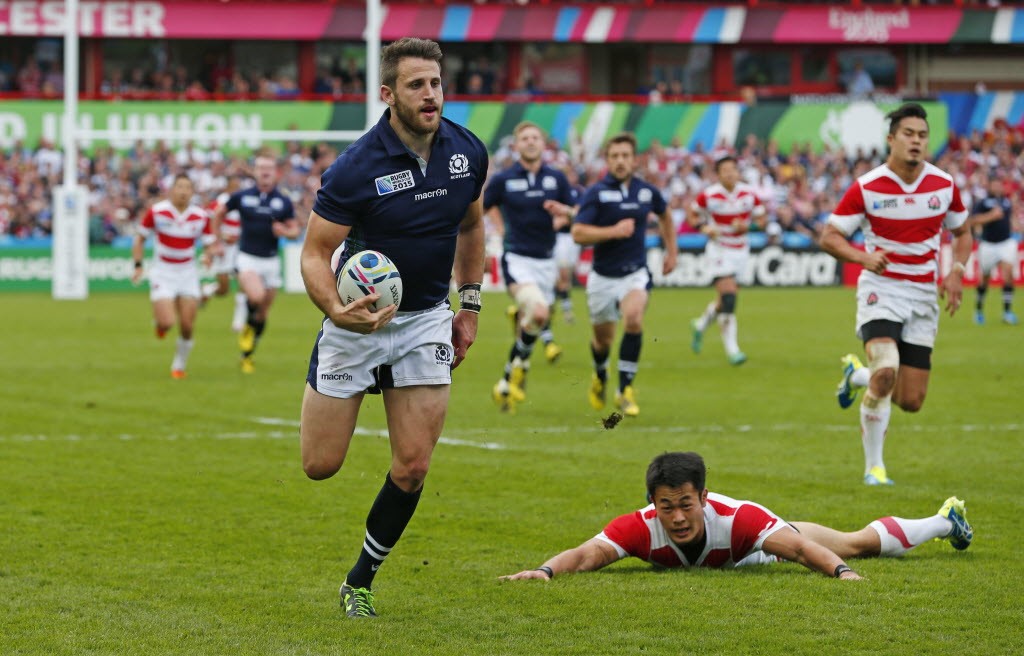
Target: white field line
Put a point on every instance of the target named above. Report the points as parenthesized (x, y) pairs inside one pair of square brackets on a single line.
[(465, 434)]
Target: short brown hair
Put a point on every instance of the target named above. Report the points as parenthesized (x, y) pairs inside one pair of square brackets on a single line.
[(395, 52), (526, 125), (622, 137)]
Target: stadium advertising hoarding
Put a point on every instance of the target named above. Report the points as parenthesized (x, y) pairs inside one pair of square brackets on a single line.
[(773, 265), (847, 125), (591, 23), (230, 124)]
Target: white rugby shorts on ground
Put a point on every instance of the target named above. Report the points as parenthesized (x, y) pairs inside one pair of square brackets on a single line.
[(567, 251), (990, 254), (604, 294), (268, 268), (227, 262), (724, 261), (168, 281), (522, 270), (881, 299), (414, 349)]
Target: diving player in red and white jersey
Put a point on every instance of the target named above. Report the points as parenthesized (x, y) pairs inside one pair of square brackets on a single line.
[(724, 212), (174, 276), (902, 208), (687, 526), (224, 266)]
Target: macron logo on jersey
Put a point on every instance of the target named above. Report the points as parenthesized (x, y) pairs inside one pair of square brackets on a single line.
[(389, 184)]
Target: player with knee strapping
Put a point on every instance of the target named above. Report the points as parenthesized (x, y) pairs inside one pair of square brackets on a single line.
[(521, 195), (902, 208)]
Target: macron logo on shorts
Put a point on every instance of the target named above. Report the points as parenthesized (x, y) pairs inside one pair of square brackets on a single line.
[(389, 184)]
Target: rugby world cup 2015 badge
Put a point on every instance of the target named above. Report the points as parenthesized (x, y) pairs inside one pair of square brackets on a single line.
[(389, 184)]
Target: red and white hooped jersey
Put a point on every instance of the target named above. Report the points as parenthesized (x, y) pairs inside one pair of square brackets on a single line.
[(176, 232), (231, 224), (723, 207), (904, 220), (735, 532)]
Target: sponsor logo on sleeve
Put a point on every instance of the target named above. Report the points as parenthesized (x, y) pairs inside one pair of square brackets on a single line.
[(389, 184), (516, 184)]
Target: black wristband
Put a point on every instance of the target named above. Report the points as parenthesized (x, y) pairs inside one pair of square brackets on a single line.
[(840, 568), (547, 570), (138, 264)]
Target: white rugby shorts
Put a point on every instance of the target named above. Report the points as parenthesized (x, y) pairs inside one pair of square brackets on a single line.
[(724, 261), (522, 270), (604, 294), (169, 281), (878, 301), (227, 262), (268, 268), (415, 348), (567, 251), (990, 254)]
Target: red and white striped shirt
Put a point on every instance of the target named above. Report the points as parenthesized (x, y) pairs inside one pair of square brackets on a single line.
[(735, 532), (176, 232), (723, 207), (905, 221), (231, 224)]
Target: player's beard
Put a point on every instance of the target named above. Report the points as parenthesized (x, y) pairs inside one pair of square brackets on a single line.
[(413, 121)]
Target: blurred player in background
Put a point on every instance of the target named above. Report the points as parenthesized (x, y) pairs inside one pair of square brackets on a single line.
[(174, 277), (684, 525), (612, 217), (724, 212), (410, 188), (520, 195), (266, 216), (567, 254), (224, 265), (996, 247), (902, 207)]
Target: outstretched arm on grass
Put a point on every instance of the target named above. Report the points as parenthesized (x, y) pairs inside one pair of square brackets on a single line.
[(589, 556)]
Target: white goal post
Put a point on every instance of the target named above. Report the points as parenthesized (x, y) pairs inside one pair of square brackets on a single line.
[(70, 248)]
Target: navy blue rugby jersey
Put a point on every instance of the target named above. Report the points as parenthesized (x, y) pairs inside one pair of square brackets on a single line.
[(995, 231), (606, 203), (528, 226), (377, 187), (258, 211)]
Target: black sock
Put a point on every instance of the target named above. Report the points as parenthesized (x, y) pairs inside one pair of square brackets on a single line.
[(388, 517), (561, 294), (629, 358), (257, 327), (600, 363), (981, 297), (1007, 297)]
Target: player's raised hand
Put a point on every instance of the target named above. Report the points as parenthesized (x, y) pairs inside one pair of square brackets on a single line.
[(526, 574), (876, 261), (360, 317)]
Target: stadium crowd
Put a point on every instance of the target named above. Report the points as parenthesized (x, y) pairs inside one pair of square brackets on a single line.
[(799, 187)]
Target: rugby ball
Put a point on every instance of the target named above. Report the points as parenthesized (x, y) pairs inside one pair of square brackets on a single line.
[(369, 272)]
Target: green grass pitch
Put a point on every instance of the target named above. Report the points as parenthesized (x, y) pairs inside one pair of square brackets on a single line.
[(143, 515)]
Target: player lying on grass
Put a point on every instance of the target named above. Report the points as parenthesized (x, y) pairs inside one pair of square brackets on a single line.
[(687, 526)]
